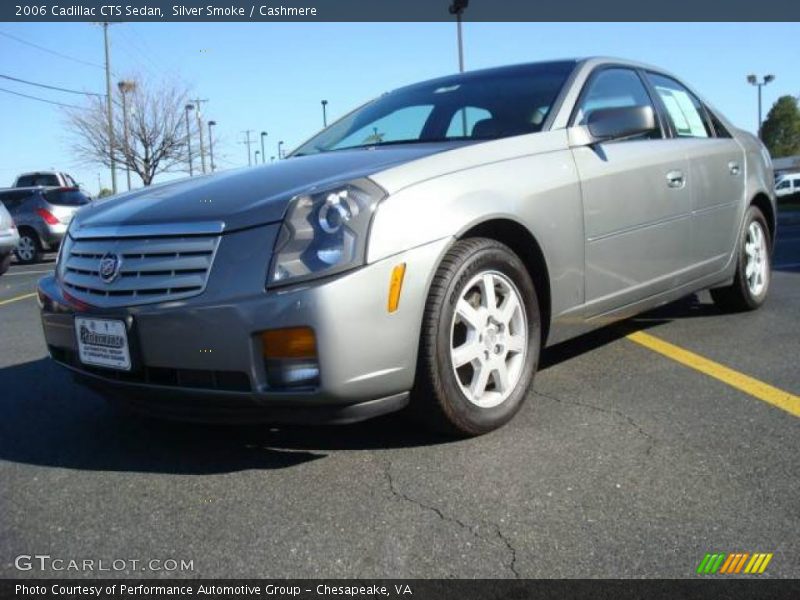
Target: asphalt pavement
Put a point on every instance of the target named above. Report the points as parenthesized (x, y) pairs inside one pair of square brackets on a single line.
[(623, 463)]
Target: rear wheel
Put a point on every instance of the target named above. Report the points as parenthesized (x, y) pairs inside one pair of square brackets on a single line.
[(751, 284), (480, 340), (29, 250)]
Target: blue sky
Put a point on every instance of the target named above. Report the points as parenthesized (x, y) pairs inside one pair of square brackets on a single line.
[(272, 76)]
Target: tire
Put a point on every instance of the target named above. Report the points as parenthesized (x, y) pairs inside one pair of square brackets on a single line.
[(29, 249), (751, 283), (5, 263), (457, 326)]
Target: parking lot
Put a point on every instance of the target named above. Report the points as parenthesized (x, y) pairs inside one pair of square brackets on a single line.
[(625, 462)]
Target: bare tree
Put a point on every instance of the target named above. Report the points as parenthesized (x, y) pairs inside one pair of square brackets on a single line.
[(157, 136)]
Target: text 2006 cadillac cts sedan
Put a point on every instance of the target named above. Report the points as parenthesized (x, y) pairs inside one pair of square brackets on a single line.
[(421, 250)]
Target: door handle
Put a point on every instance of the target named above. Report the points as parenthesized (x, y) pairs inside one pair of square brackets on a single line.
[(734, 168), (676, 179)]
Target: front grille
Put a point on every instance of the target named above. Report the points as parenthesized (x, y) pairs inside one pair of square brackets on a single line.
[(151, 269), (226, 381)]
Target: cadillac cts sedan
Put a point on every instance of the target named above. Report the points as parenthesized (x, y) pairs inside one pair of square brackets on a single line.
[(420, 252)]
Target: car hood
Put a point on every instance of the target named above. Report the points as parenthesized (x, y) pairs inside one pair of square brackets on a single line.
[(245, 197)]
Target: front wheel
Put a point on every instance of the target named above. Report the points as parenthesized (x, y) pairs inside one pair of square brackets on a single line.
[(480, 340), (751, 283)]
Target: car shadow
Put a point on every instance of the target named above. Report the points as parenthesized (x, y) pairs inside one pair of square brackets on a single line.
[(47, 420)]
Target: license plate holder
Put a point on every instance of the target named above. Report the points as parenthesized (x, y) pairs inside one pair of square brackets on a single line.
[(103, 343)]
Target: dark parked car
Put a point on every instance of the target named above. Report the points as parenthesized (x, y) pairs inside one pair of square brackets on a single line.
[(42, 216)]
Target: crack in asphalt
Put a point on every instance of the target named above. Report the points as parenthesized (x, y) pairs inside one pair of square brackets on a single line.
[(472, 529), (609, 411)]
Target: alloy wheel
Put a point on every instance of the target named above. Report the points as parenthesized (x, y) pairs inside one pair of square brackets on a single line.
[(489, 338), (756, 269)]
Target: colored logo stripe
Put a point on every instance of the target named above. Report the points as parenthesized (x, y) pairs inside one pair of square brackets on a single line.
[(734, 563)]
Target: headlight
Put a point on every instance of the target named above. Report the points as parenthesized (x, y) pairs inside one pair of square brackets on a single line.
[(325, 232)]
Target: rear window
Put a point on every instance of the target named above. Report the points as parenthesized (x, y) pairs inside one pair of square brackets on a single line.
[(66, 197), (45, 179)]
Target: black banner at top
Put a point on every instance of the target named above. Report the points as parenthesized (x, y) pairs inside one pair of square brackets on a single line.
[(398, 10)]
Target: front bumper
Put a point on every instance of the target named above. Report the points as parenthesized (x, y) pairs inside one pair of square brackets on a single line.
[(201, 358)]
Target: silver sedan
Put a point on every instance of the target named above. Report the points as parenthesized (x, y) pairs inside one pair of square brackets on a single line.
[(418, 253)]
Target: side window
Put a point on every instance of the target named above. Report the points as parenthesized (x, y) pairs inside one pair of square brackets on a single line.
[(719, 128), (685, 111), (26, 181), (797, 184), (783, 185), (613, 88), (464, 119)]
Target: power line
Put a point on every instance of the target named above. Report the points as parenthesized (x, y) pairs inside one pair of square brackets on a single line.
[(40, 99), (43, 49), (51, 87)]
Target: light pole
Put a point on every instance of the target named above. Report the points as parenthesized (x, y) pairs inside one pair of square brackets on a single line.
[(753, 80), (324, 113), (263, 155), (272, 159), (257, 153), (211, 144), (198, 104), (187, 109), (457, 8), (124, 88), (280, 154), (110, 111)]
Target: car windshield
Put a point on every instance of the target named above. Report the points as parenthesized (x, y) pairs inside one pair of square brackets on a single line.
[(483, 105), (66, 197)]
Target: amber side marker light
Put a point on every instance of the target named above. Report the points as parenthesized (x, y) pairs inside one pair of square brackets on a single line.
[(290, 357), (395, 287)]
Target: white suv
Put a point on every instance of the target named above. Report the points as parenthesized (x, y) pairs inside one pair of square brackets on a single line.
[(787, 185)]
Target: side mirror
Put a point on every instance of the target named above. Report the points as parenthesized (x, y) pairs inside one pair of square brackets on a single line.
[(621, 122)]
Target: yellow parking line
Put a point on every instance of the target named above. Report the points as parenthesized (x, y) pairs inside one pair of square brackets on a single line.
[(763, 391), (23, 297)]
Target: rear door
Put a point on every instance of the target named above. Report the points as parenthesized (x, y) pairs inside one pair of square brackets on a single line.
[(716, 174), (637, 206)]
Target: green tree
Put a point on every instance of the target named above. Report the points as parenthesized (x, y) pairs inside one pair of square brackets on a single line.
[(104, 193), (781, 129)]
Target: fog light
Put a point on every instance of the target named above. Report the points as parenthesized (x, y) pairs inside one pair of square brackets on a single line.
[(290, 357)]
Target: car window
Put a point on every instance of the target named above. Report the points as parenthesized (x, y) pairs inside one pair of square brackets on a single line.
[(719, 129), (26, 181), (497, 103), (402, 124), (464, 119), (684, 110), (44, 179), (613, 88), (66, 197), (797, 183), (783, 184)]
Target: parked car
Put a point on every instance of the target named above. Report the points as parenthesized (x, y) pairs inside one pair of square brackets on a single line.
[(44, 178), (422, 249), (787, 186), (8, 239), (42, 216)]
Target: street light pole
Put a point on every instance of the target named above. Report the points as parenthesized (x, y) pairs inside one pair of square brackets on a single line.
[(263, 155), (457, 8), (753, 80), (257, 153), (280, 154), (211, 144), (110, 111), (324, 113), (187, 109), (124, 88), (198, 103), (248, 142)]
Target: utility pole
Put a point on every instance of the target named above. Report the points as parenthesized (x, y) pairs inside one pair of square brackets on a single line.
[(211, 144), (198, 115), (280, 154), (124, 88), (457, 8), (248, 142), (263, 155), (324, 113), (753, 80), (110, 111), (187, 109), (258, 152)]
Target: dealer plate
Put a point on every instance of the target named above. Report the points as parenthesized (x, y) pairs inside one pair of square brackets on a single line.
[(103, 343)]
